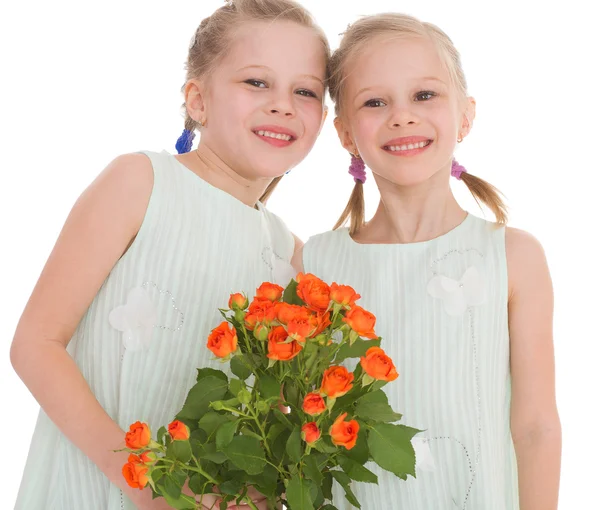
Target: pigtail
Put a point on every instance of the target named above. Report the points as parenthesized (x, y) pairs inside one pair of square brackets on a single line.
[(485, 193), (272, 185), (355, 210)]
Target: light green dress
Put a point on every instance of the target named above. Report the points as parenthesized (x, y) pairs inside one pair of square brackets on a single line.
[(142, 338), (441, 309)]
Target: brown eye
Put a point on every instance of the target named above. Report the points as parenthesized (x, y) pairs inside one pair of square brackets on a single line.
[(306, 93), (374, 103), (256, 83), (425, 95)]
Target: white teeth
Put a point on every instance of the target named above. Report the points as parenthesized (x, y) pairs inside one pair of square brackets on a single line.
[(410, 146), (278, 136)]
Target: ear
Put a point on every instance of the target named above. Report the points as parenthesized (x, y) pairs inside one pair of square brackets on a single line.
[(325, 112), (195, 100), (344, 135), (468, 117)]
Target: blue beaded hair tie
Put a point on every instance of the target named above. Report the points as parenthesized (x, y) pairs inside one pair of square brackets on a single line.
[(184, 142)]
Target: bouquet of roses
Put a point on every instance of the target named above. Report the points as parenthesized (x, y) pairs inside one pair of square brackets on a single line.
[(292, 419)]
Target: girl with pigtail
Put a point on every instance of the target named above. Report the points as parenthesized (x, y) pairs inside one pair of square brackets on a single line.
[(465, 305), (117, 323)]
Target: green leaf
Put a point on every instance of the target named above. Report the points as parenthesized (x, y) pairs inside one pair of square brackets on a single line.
[(211, 421), (266, 481), (327, 485), (391, 448), (268, 386), (312, 470), (208, 452), (207, 390), (235, 385), (360, 452), (171, 488), (298, 494), (162, 432), (225, 434), (283, 419), (239, 368), (355, 470), (210, 372), (328, 507), (182, 503), (246, 453), (359, 348), (290, 295), (180, 450), (344, 480), (293, 446), (291, 393), (232, 487), (274, 431), (198, 485), (374, 407)]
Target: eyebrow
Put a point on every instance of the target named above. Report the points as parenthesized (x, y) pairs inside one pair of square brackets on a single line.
[(309, 76)]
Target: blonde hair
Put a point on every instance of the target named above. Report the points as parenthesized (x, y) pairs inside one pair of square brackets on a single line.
[(213, 39), (354, 39)]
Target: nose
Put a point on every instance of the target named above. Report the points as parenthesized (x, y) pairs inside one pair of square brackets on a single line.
[(402, 116), (282, 104)]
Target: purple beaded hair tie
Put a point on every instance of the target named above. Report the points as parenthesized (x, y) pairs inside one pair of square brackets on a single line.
[(457, 169), (184, 142), (357, 169)]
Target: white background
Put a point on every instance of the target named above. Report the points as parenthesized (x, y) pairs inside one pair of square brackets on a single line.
[(83, 82)]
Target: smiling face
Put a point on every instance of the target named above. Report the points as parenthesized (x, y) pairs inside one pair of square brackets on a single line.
[(264, 102), (401, 110)]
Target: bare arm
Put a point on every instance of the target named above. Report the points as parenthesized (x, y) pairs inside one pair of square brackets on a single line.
[(535, 424), (297, 263), (100, 227)]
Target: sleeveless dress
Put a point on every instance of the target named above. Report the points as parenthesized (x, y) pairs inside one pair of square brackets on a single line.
[(441, 309), (143, 336)]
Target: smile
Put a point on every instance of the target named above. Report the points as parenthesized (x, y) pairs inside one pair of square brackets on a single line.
[(277, 136), (407, 147)]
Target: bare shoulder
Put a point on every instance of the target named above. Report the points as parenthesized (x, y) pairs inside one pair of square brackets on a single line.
[(296, 261), (99, 229), (526, 260)]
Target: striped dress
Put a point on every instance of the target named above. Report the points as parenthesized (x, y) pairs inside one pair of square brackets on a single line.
[(441, 309), (143, 336)]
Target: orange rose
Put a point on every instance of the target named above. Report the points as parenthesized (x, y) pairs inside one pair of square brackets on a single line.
[(179, 431), (310, 433), (148, 457), (138, 437), (343, 295), (135, 472), (222, 341), (323, 321), (313, 291), (344, 433), (302, 328), (378, 365), (286, 312), (278, 350), (361, 321), (337, 381), (313, 404), (269, 291), (238, 302), (262, 311)]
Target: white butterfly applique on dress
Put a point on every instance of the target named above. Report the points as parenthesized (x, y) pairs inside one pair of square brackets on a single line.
[(459, 295), (135, 319)]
